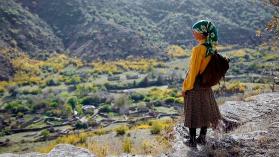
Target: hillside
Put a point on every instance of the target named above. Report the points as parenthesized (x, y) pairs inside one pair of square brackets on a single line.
[(246, 135), (22, 29), (117, 29)]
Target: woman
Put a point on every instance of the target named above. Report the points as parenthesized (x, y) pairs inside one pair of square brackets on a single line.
[(200, 107)]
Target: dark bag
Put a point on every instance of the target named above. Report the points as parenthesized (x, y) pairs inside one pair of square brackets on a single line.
[(215, 70)]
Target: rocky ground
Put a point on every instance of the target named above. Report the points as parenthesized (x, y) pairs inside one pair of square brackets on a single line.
[(250, 129)]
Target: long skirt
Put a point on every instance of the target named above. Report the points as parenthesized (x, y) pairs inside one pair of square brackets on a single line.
[(200, 107)]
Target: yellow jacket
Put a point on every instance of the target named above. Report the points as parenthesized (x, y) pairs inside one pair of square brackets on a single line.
[(197, 64)]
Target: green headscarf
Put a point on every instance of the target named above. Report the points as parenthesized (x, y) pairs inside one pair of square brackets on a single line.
[(207, 28)]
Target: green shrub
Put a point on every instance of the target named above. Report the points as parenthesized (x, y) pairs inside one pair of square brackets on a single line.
[(121, 130), (20, 115), (83, 90), (88, 101), (137, 96), (73, 80), (81, 125), (45, 133), (73, 101), (147, 98), (54, 112), (54, 103), (79, 109), (52, 82), (41, 104), (170, 100), (106, 108), (17, 106)]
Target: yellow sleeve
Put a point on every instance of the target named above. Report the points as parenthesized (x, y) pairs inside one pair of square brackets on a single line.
[(194, 67)]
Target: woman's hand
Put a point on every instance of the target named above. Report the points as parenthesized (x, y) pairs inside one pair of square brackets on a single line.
[(183, 93)]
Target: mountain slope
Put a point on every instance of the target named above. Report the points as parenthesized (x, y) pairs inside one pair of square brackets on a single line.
[(93, 29), (20, 28)]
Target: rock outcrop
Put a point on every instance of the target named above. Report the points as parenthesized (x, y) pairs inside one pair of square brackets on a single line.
[(252, 130), (61, 150)]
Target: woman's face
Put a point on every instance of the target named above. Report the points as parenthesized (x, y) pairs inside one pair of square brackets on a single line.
[(198, 36)]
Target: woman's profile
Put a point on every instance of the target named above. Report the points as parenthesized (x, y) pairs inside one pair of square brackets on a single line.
[(200, 107)]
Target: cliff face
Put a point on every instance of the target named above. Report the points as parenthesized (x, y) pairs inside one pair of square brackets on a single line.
[(251, 130)]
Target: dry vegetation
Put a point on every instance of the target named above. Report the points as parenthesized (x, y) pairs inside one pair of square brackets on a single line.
[(154, 145)]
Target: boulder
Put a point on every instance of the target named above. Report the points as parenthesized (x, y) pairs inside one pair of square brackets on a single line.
[(61, 150)]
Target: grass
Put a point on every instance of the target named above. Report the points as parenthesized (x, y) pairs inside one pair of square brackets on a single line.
[(127, 145), (99, 149), (167, 110), (154, 144)]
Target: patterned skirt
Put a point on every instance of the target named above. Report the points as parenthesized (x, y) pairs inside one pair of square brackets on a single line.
[(200, 107)]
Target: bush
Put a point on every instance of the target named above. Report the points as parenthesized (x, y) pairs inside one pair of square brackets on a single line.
[(55, 113), (156, 128), (52, 82), (176, 51), (94, 99), (106, 108), (144, 82), (81, 125), (33, 91), (73, 80), (73, 101), (16, 106), (40, 104), (79, 109), (83, 90), (20, 115), (88, 101), (100, 131), (2, 90), (45, 133), (147, 146), (170, 100), (122, 102), (137, 97), (236, 87), (127, 145), (121, 130), (12, 90)]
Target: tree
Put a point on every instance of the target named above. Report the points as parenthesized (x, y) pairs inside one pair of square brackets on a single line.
[(73, 101), (122, 103), (144, 82)]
